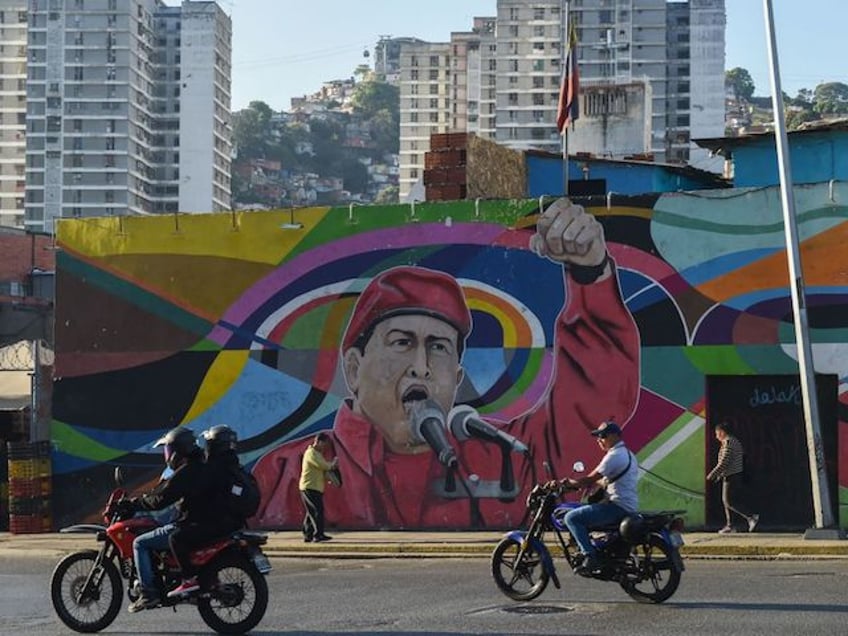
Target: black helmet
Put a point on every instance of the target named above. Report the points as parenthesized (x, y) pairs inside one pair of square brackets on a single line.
[(220, 439), (179, 444), (632, 528)]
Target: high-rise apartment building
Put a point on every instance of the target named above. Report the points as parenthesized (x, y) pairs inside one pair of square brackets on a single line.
[(128, 109), (13, 54), (425, 104), (651, 78)]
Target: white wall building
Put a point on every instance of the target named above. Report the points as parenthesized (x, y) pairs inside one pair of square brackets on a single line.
[(13, 55), (128, 109), (651, 79)]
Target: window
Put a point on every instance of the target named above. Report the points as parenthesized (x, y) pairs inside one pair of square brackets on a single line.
[(434, 74), (434, 60), (539, 13), (609, 102)]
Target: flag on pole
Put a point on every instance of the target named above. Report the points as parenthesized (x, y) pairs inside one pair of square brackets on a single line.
[(568, 108)]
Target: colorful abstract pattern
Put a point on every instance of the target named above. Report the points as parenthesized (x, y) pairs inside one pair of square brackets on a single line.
[(236, 318)]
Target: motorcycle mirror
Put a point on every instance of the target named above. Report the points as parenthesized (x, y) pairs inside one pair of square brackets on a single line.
[(578, 467), (119, 476)]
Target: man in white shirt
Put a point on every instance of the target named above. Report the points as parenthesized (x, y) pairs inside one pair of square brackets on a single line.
[(617, 473)]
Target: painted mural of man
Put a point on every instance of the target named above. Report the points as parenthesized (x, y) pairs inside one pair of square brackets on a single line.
[(403, 346)]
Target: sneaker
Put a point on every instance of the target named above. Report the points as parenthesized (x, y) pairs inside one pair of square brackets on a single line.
[(726, 530), (323, 537), (307, 539), (143, 603), (186, 587), (753, 520), (590, 563)]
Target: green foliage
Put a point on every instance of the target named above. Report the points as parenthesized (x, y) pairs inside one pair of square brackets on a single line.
[(740, 82), (831, 98), (376, 108), (795, 118), (388, 195), (251, 129)]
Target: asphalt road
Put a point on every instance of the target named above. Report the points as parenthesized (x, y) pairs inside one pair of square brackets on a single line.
[(449, 597)]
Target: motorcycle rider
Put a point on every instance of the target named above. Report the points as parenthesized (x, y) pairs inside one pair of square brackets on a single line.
[(193, 487), (220, 457), (617, 474)]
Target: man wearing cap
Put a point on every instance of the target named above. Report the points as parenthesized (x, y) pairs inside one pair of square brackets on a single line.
[(403, 346), (617, 474)]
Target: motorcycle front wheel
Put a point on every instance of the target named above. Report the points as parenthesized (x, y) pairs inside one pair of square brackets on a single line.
[(237, 595), (102, 601), (657, 574), (520, 578)]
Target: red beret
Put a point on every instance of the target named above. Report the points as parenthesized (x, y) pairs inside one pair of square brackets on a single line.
[(408, 290)]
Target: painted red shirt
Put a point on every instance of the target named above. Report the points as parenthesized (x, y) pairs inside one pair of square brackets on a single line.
[(595, 377)]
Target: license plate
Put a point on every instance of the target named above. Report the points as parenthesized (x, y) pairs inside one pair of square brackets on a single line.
[(261, 562), (676, 539)]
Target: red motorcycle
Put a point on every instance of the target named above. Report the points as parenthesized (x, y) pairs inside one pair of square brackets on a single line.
[(86, 587)]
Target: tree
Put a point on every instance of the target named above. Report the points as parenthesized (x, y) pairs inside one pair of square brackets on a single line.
[(251, 128), (372, 96), (794, 118), (740, 82), (388, 195), (831, 98)]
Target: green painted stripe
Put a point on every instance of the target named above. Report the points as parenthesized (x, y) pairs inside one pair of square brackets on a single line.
[(678, 220), (336, 223), (519, 387), (131, 293), (72, 442), (672, 429)]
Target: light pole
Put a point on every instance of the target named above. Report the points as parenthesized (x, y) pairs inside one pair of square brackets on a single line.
[(824, 524)]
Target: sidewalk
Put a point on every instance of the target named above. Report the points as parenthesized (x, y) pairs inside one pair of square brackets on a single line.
[(386, 544)]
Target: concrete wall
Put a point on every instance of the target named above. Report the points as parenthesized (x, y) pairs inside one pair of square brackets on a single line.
[(237, 318)]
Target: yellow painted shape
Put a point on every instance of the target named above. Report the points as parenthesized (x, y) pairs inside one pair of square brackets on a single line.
[(249, 236), (223, 373)]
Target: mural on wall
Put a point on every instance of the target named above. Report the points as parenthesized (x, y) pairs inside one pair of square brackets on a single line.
[(356, 320)]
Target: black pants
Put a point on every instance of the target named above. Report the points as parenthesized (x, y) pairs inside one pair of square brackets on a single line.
[(190, 536), (313, 520)]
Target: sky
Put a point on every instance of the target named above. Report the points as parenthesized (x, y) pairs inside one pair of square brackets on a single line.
[(288, 48)]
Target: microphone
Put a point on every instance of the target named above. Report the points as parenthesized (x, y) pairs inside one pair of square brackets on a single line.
[(465, 422), (427, 424)]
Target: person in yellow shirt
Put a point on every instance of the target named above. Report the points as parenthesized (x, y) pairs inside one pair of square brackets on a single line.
[(313, 477)]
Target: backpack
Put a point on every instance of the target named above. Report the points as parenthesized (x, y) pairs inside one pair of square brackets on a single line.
[(243, 495)]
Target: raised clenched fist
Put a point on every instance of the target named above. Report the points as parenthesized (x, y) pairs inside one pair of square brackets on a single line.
[(566, 233)]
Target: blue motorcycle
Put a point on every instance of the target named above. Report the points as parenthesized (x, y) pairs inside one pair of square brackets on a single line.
[(641, 554)]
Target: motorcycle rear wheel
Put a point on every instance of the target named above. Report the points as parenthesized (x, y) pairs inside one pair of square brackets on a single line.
[(659, 572), (66, 583), (238, 595), (520, 579)]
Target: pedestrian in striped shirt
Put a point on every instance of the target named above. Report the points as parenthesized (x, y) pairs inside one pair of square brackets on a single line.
[(728, 470)]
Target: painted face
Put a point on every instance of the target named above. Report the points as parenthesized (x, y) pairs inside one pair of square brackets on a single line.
[(407, 358)]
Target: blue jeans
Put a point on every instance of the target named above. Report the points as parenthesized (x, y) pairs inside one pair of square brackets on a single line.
[(143, 545), (580, 520)]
